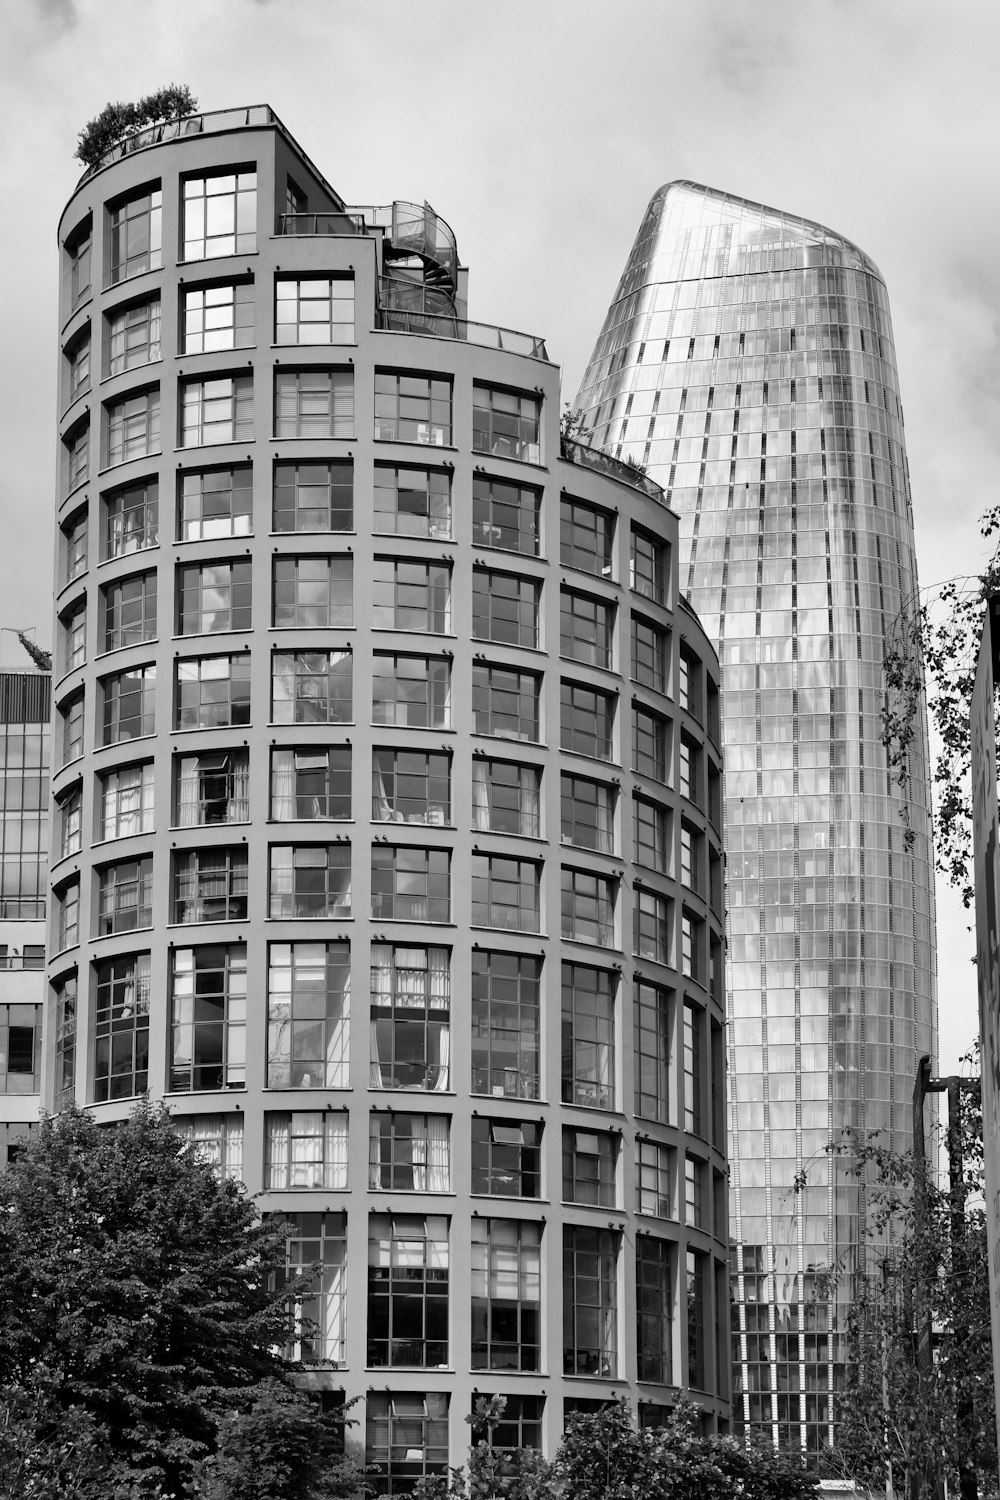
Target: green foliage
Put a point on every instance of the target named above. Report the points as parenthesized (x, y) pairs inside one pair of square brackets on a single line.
[(935, 642), (278, 1447), (927, 1268), (135, 1320), (116, 121), (605, 1457)]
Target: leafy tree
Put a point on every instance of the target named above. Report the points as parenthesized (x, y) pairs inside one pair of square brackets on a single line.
[(136, 1323), (926, 1417), (116, 121)]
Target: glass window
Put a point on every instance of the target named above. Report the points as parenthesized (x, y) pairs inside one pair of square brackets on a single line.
[(520, 1426), (218, 317), (129, 611), (78, 365), (313, 496), (412, 408), (505, 515), (317, 1250), (135, 230), (407, 1290), (654, 1309), (131, 518), (588, 907), (313, 403), (648, 567), (650, 646), (505, 797), (20, 1049), (506, 893), (67, 918), (311, 687), (586, 629), (133, 336), (697, 1291), (506, 1157), (310, 880), (505, 1024), (311, 783), (694, 1193), (410, 885), (586, 538), (411, 786), (126, 801), (208, 1017), (505, 702), (689, 770), (409, 1153), (653, 1179), (121, 1027), (412, 691), (220, 215), (65, 993), (308, 1015), (694, 1093), (691, 857), (133, 427), (590, 1301), (651, 1015), (588, 1036), (216, 1140), (73, 637), (313, 592), (650, 825), (506, 423), (217, 410), (588, 813), (651, 921), (212, 787), (588, 1167), (125, 896), (216, 503), (649, 744), (213, 692), (411, 595), (78, 253), (210, 885), (77, 446), (587, 721), (406, 1438), (306, 1149), (213, 596), (412, 502), (129, 704), (75, 532), (505, 608), (70, 809), (410, 1012), (692, 942), (506, 1294), (314, 310)]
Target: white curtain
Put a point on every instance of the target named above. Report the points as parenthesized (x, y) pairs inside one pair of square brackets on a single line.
[(187, 792), (382, 808), (278, 1132), (283, 786), (529, 800), (338, 1038), (480, 795), (335, 1148), (239, 802), (443, 1050), (438, 1154), (375, 1066)]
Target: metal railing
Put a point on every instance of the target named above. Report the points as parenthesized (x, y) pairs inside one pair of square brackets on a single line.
[(398, 320), (614, 468), (414, 229), (172, 130), (322, 223)]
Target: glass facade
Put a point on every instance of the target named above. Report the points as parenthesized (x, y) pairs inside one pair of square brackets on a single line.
[(747, 361)]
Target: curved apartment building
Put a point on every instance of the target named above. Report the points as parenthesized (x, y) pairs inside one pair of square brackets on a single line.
[(387, 797), (747, 359)]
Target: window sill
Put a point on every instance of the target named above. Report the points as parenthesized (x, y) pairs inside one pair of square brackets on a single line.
[(121, 557), (112, 286), (125, 932), (208, 728), (521, 932), (502, 833), (101, 656), (311, 724), (129, 370), (123, 463)]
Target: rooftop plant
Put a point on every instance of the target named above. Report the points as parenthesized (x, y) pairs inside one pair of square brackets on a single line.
[(119, 120)]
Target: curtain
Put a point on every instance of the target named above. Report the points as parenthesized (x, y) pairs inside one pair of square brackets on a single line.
[(278, 1131), (418, 1153), (382, 808), (604, 822), (440, 985), (335, 1124), (443, 1049), (283, 786), (375, 1150), (239, 798), (480, 795), (333, 1307), (438, 1155), (338, 1036), (187, 793), (306, 1150), (375, 1067), (529, 801)]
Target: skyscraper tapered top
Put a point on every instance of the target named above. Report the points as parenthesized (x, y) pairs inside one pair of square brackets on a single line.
[(747, 360)]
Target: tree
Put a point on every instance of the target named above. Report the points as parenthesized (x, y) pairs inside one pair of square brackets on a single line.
[(925, 1269), (604, 1456), (116, 121), (136, 1323)]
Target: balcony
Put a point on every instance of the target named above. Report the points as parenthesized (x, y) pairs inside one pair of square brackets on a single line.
[(172, 130), (615, 468)]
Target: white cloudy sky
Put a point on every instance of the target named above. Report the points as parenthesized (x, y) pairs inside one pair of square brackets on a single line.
[(539, 129)]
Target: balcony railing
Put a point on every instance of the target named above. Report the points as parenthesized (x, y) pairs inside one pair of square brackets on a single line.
[(323, 223), (414, 229), (172, 130), (615, 468), (398, 320)]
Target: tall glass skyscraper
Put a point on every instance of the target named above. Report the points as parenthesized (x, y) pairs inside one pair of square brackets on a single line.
[(747, 360)]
